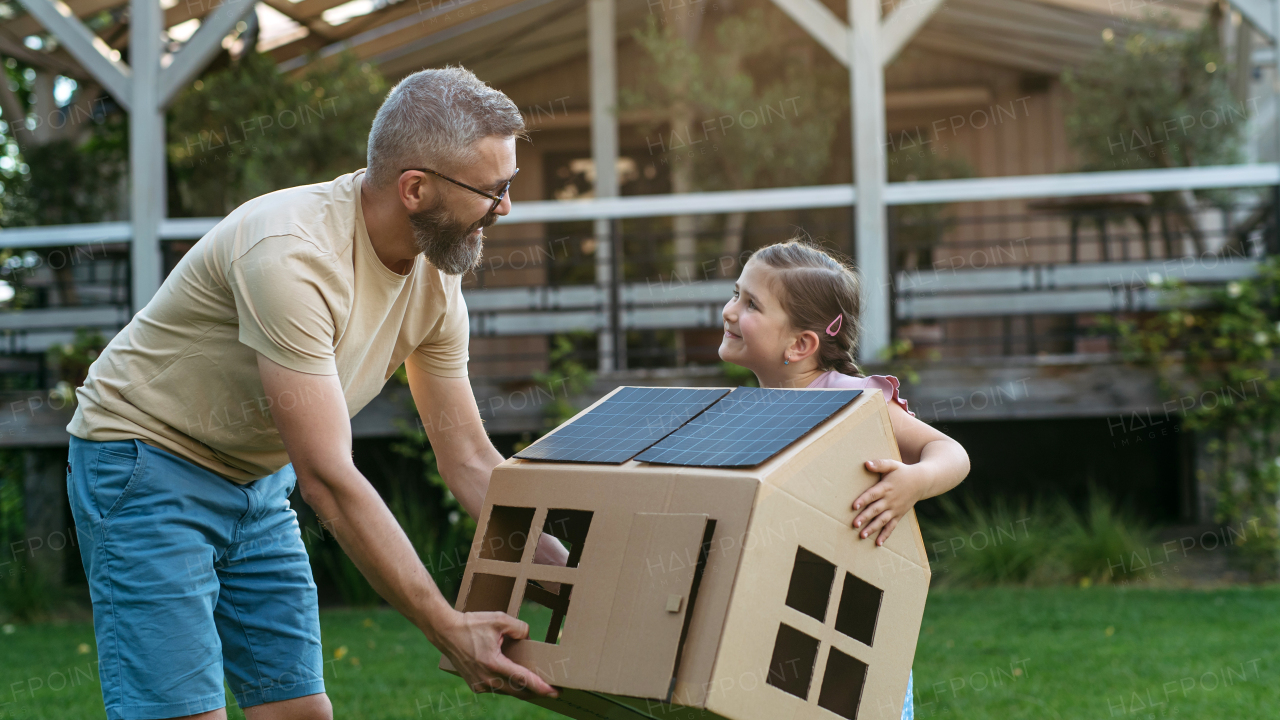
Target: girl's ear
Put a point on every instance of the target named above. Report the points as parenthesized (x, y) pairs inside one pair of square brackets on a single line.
[(804, 345)]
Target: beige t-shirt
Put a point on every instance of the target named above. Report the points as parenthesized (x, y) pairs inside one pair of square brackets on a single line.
[(291, 275)]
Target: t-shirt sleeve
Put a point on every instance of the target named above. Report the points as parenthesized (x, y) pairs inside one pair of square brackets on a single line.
[(444, 352), (287, 294), (888, 386)]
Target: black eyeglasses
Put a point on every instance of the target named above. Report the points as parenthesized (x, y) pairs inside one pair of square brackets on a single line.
[(497, 199)]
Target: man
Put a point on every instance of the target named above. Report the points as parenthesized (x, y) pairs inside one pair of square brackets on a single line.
[(237, 382)]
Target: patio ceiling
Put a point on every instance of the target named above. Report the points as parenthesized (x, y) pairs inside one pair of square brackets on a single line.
[(502, 40)]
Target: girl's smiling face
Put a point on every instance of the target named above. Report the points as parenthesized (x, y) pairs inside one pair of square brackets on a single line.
[(757, 331)]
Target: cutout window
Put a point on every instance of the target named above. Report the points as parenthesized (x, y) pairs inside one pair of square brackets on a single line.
[(791, 668), (811, 580), (548, 595), (506, 534), (842, 684), (859, 608), (570, 528), (489, 593)]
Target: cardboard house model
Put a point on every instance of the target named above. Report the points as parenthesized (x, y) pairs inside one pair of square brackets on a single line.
[(713, 571)]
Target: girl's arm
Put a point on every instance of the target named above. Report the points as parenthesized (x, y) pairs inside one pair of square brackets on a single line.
[(932, 464)]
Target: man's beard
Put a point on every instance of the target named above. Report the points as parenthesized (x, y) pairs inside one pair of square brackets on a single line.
[(446, 242)]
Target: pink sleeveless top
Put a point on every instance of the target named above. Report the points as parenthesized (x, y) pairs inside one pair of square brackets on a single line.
[(886, 384)]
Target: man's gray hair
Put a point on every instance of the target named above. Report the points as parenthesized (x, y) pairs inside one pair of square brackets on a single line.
[(434, 118)]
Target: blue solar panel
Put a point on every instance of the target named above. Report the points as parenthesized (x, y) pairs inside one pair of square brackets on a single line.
[(748, 427), (631, 420)]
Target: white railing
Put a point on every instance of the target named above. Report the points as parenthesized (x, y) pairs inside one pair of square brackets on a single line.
[(1003, 291), (794, 198)]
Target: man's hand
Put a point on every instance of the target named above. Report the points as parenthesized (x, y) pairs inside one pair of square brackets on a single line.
[(473, 643), (311, 414), (886, 502), (465, 456)]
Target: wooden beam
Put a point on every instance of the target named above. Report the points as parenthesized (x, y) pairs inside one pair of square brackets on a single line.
[(602, 63), (821, 24), (186, 10), (57, 62), (200, 49), (315, 24), (380, 22), (405, 34), (146, 152), (29, 25), (85, 47), (307, 9), (894, 100), (925, 98), (869, 172), (998, 56), (902, 25)]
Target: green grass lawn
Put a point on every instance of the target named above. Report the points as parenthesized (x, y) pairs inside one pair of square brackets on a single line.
[(993, 653)]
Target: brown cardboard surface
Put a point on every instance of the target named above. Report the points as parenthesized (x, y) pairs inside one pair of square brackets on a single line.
[(817, 469), (614, 495), (781, 522), (727, 496), (640, 648)]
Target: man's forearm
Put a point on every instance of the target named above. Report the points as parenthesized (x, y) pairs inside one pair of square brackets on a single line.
[(469, 482), (353, 512)]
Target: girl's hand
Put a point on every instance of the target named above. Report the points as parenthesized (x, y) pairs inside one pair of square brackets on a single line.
[(884, 503)]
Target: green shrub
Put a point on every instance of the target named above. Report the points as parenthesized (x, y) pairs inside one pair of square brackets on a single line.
[(1039, 543), (987, 546), (24, 594), (1095, 545)]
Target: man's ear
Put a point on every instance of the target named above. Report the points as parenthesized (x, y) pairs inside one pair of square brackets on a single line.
[(804, 345), (415, 191)]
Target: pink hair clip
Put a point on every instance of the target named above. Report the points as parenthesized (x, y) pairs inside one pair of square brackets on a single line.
[(838, 322)]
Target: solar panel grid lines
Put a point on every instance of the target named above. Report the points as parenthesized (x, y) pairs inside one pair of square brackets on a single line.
[(748, 427), (630, 420)]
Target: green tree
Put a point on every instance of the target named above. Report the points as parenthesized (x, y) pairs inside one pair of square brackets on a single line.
[(1160, 97), (917, 229), (62, 162), (248, 129), (740, 105), (1215, 354)]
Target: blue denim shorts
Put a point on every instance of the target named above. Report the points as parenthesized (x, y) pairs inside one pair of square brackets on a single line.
[(193, 578)]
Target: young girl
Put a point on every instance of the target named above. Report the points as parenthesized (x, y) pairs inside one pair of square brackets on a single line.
[(793, 321)]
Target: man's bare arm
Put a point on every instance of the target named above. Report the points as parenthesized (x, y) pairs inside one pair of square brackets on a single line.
[(311, 415), (464, 454)]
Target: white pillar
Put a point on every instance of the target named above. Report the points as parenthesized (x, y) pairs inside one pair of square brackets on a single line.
[(869, 172), (602, 61), (146, 150)]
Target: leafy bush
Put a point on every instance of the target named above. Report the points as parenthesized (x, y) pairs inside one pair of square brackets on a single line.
[(248, 129), (1037, 544), (24, 594), (1214, 352)]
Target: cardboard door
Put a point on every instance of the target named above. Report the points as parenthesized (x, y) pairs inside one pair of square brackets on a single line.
[(652, 599)]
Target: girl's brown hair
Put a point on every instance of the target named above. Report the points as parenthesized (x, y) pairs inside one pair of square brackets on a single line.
[(815, 288)]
